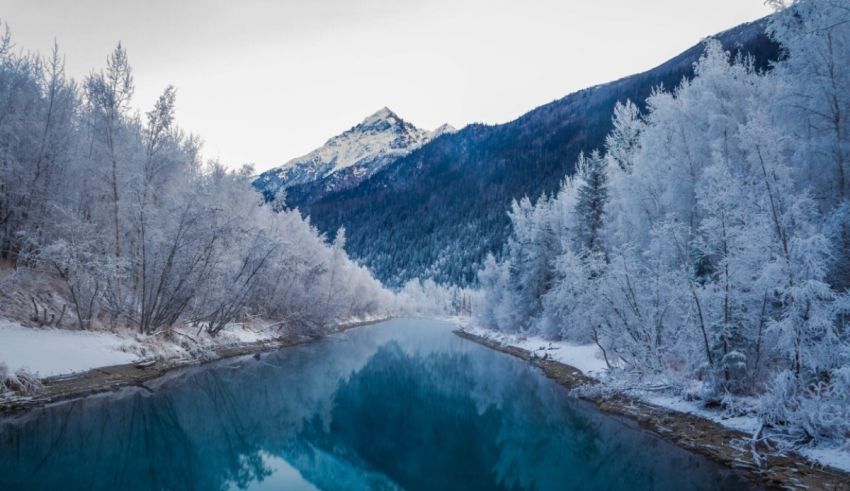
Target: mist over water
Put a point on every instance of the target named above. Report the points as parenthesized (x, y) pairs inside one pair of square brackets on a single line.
[(405, 404)]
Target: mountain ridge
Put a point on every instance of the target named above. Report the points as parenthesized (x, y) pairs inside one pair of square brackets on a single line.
[(439, 210), (346, 159)]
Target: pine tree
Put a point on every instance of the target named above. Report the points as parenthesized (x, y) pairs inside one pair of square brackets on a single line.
[(591, 201)]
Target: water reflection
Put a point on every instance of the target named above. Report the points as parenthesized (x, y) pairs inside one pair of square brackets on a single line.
[(402, 405)]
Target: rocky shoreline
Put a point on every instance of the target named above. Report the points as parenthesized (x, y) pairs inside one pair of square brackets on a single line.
[(713, 440)]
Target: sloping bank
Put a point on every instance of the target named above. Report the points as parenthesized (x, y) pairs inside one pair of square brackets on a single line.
[(110, 378), (717, 442)]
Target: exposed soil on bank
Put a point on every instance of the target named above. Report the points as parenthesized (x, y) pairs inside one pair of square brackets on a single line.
[(713, 440), (111, 378)]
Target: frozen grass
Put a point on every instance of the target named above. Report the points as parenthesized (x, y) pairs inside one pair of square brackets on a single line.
[(20, 381)]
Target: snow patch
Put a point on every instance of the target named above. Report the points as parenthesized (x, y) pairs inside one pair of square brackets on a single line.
[(836, 457), (587, 358), (746, 424), (48, 352)]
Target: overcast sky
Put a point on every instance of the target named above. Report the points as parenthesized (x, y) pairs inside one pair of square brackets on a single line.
[(263, 81)]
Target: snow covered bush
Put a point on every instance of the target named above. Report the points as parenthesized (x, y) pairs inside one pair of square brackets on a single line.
[(816, 412), (21, 381)]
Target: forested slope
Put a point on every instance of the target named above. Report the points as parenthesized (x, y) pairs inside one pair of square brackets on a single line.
[(440, 210)]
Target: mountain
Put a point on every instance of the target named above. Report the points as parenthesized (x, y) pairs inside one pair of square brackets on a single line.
[(439, 210), (347, 159)]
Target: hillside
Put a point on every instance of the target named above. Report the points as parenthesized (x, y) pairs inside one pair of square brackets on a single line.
[(441, 209)]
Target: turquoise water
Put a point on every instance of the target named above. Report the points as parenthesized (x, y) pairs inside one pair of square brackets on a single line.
[(405, 404)]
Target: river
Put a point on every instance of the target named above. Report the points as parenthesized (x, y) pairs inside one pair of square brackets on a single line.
[(404, 404)]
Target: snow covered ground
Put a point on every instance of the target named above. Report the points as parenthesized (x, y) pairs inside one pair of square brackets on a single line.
[(47, 352), (835, 457), (589, 359)]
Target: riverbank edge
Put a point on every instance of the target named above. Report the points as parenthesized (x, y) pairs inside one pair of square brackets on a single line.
[(99, 380), (723, 445)]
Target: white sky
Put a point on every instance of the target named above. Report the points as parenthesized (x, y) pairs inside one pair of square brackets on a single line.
[(263, 81)]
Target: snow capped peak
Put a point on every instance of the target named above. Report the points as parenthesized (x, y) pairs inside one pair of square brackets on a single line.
[(383, 114), (442, 129), (383, 120), (379, 139)]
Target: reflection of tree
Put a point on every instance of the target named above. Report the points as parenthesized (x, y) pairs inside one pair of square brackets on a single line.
[(128, 439), (473, 419), (204, 430), (411, 416), (370, 410), (415, 415), (225, 429)]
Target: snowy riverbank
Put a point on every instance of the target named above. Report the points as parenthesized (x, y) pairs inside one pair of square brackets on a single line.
[(589, 360), (47, 352), (33, 354)]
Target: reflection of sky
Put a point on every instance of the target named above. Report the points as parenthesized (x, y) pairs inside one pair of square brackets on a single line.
[(283, 476), (405, 404)]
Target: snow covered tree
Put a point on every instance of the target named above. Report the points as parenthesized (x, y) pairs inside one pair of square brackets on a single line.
[(108, 94), (622, 142), (141, 233), (706, 250), (591, 200)]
